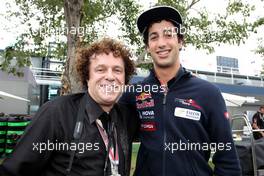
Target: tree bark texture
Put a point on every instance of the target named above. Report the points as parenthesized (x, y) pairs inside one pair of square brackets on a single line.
[(73, 15)]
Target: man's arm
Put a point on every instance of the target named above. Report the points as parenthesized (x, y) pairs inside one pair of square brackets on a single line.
[(27, 159), (225, 158)]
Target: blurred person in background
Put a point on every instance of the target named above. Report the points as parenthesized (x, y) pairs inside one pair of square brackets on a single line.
[(258, 123)]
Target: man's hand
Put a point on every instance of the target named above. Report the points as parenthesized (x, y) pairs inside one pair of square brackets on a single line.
[(255, 126)]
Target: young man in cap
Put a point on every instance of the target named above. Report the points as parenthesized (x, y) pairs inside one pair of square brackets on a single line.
[(183, 120)]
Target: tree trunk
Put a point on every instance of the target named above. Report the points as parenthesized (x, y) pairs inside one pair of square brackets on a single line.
[(73, 15)]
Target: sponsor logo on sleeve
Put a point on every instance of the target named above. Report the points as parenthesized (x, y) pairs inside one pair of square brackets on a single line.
[(226, 115)]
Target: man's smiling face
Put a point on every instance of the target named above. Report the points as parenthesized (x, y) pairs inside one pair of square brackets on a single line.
[(163, 44), (106, 78)]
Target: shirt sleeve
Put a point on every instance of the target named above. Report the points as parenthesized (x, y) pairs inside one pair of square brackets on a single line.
[(30, 155), (225, 158)]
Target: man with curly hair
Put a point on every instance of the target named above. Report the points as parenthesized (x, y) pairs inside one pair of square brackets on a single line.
[(85, 133)]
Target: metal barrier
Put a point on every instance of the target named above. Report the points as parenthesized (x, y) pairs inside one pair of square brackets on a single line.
[(244, 128), (230, 78), (46, 74)]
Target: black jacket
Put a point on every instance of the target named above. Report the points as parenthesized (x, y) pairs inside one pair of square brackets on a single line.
[(53, 125)]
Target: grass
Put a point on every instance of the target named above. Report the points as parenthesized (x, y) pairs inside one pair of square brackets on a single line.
[(135, 148), (134, 157)]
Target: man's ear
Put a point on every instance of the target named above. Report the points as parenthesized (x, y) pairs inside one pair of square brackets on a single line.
[(147, 48), (181, 43)]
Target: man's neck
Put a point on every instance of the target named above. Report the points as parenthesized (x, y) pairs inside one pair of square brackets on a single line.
[(166, 74), (106, 108)]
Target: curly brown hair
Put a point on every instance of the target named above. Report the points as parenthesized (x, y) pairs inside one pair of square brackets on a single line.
[(106, 45)]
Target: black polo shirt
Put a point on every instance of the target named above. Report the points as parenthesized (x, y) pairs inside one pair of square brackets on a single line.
[(52, 130)]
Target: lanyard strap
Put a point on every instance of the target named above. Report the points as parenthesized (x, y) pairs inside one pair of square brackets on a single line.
[(113, 156), (77, 130)]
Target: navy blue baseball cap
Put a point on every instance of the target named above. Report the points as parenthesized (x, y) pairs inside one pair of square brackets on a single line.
[(158, 13)]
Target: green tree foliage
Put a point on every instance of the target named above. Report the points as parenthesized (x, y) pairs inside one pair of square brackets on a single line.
[(47, 21), (53, 21), (205, 30)]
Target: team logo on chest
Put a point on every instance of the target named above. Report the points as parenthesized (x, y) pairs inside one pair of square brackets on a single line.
[(144, 100)]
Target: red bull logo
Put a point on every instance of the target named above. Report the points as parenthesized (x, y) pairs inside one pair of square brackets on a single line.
[(145, 104), (143, 96)]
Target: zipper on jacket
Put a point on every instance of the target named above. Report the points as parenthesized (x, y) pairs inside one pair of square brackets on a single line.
[(164, 132)]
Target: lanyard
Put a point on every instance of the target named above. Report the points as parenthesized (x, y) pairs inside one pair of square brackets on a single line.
[(113, 156), (77, 131)]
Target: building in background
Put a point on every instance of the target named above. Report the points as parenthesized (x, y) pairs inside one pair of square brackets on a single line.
[(227, 64), (42, 82), (47, 73), (18, 86)]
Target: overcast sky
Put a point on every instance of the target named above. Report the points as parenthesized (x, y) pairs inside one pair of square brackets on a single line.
[(249, 62)]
